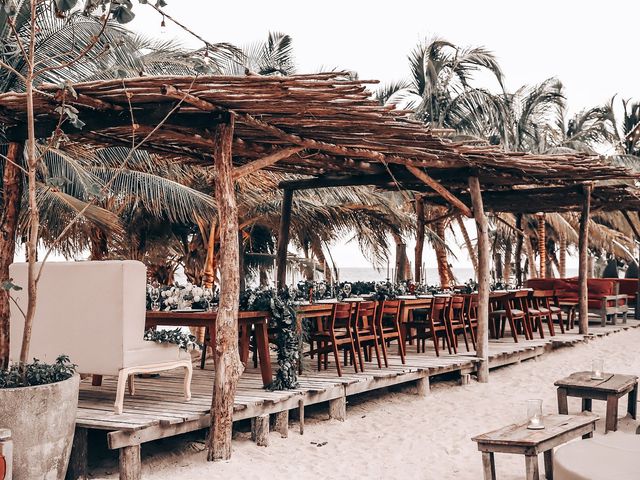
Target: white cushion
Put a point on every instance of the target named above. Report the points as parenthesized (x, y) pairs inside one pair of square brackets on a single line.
[(604, 457), (94, 312)]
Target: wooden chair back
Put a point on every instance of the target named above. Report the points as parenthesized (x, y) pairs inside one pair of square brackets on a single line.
[(366, 314), (390, 310), (456, 307), (439, 308), (341, 317)]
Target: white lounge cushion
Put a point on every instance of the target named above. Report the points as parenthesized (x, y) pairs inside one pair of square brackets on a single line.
[(604, 457)]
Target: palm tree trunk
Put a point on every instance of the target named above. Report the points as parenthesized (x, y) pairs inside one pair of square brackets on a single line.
[(562, 269), (99, 244), (441, 255), (402, 261), (508, 251), (11, 195), (542, 244), (467, 241)]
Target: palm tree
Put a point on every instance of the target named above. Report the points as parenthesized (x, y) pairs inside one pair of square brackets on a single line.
[(440, 93)]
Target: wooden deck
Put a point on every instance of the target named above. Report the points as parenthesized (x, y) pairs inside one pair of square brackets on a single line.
[(158, 409)]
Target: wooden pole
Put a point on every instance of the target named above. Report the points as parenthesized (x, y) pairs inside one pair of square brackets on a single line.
[(519, 244), (228, 366), (443, 192), (11, 195), (484, 256), (420, 228), (542, 244), (283, 238), (583, 259), (210, 262), (636, 311)]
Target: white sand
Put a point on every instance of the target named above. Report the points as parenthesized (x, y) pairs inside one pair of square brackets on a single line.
[(392, 435)]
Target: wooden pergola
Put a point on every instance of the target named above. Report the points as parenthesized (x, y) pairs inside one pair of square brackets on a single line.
[(326, 129)]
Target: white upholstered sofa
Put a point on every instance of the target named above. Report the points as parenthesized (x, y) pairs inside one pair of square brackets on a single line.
[(94, 312)]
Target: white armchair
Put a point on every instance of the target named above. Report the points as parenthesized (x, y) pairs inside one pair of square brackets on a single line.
[(94, 312)]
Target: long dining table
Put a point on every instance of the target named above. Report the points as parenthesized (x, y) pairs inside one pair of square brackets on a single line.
[(207, 320)]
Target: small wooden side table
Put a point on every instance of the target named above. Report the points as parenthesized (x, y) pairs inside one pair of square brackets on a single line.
[(520, 440), (610, 388)]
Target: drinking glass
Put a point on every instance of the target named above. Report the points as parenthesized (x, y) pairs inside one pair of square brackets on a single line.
[(347, 289), (534, 414), (207, 294), (154, 294), (597, 369), (322, 289)]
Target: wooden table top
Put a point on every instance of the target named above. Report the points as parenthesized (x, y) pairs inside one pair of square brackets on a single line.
[(518, 435), (201, 315), (611, 383)]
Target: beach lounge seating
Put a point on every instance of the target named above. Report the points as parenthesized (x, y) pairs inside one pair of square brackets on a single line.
[(94, 312), (613, 456)]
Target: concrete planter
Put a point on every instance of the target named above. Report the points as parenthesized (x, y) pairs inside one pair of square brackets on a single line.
[(42, 422)]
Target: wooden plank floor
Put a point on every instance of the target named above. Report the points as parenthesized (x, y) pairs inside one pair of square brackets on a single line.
[(158, 409)]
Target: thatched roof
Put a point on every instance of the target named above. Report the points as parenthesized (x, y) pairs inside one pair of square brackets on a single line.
[(324, 127)]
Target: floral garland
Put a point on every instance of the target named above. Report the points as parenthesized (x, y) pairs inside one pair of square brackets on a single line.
[(177, 337)]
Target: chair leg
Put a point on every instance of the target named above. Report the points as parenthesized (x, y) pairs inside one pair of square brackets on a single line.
[(188, 374), (132, 385), (401, 350), (384, 351), (514, 333), (358, 347), (466, 340), (376, 347), (122, 380), (336, 356), (434, 337)]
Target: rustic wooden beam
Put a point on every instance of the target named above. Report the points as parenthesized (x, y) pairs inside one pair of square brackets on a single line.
[(228, 366), (583, 262), (443, 192), (283, 239), (420, 232), (266, 161), (484, 257)]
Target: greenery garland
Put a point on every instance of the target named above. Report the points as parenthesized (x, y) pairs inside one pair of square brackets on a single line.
[(288, 341), (177, 337)]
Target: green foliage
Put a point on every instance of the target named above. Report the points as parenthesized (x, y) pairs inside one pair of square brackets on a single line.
[(177, 337), (288, 344), (37, 373)]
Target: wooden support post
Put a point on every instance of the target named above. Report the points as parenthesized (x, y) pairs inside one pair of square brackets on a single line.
[(228, 366), (283, 238), (11, 195), (519, 244), (636, 312), (338, 408), (583, 262), (484, 256), (130, 464), (260, 430), (423, 387), (420, 227), (301, 415), (281, 423), (542, 244), (78, 462)]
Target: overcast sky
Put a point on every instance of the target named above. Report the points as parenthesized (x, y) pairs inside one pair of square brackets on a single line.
[(590, 45)]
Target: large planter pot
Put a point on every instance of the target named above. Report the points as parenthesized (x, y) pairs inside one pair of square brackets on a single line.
[(42, 422)]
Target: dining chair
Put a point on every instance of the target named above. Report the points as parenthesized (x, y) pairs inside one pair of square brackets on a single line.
[(454, 319), (334, 336), (471, 316), (437, 325), (511, 309), (414, 317), (538, 311), (389, 328), (365, 333)]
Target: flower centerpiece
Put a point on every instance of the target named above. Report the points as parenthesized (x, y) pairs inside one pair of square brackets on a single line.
[(185, 297)]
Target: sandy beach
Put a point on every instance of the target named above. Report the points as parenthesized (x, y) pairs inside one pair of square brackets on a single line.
[(392, 434)]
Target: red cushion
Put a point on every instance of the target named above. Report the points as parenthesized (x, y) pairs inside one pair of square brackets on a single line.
[(601, 286), (627, 286)]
